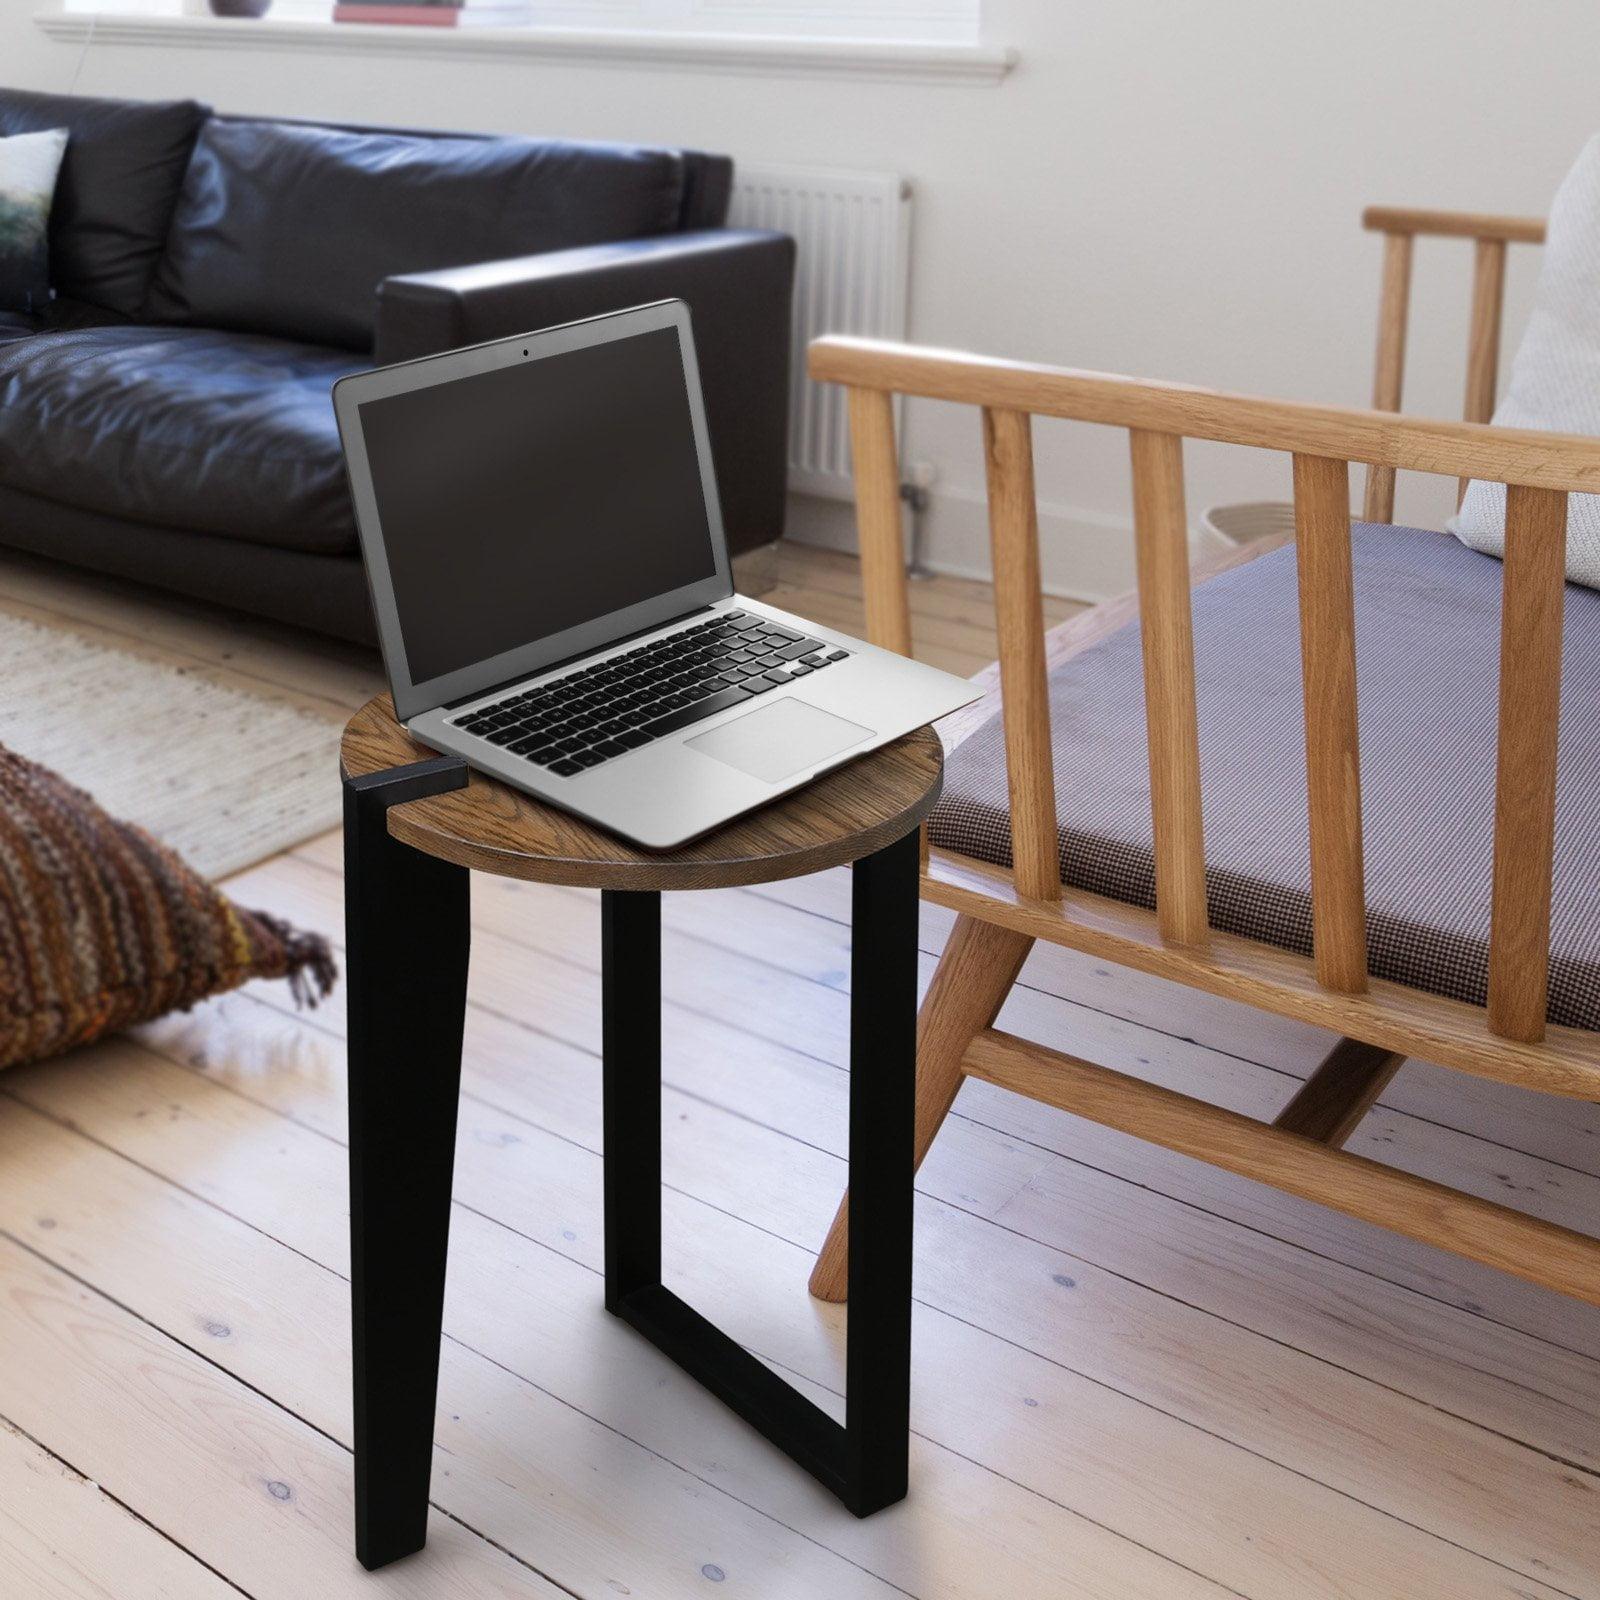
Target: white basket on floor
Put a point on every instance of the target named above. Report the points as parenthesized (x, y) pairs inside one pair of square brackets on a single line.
[(1249, 521)]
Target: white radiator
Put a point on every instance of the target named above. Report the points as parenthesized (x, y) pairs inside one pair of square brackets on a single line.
[(853, 233)]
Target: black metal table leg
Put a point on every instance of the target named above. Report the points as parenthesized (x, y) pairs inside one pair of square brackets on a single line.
[(630, 965), (864, 1461), (882, 1172), (406, 932)]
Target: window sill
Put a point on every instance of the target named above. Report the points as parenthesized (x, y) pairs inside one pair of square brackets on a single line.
[(827, 58)]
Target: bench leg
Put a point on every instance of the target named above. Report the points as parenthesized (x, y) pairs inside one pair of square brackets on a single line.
[(406, 933), (975, 974)]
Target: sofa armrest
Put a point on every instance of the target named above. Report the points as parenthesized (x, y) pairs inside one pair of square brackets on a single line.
[(738, 286)]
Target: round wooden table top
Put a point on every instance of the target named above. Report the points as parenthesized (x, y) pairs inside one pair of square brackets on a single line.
[(838, 818)]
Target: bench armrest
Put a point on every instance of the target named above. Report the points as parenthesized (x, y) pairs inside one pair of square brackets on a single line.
[(738, 286)]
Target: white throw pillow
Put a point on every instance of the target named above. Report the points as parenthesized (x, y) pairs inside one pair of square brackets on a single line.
[(1555, 379), (29, 163)]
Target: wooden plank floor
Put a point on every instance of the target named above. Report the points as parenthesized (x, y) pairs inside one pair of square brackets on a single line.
[(1134, 1377)]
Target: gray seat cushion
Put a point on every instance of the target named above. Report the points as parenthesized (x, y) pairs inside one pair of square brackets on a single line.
[(220, 433), (1427, 641)]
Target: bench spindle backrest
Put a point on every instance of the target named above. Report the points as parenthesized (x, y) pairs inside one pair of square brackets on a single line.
[(1019, 624), (1525, 782), (1333, 753), (1490, 238), (1161, 552), (1539, 469)]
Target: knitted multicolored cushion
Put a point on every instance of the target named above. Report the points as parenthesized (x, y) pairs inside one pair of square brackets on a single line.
[(102, 927)]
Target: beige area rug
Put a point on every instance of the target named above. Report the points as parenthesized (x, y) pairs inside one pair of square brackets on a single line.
[(225, 776)]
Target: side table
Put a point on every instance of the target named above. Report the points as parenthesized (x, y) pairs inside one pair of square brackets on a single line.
[(416, 826)]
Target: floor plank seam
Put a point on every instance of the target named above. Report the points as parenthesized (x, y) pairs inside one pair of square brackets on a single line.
[(938, 1310), (697, 939), (508, 1552), (122, 1505), (688, 1009), (1289, 1074), (1465, 1308), (650, 1353), (1282, 1466), (1051, 1169), (521, 1378), (75, 1276), (200, 1355), (150, 1172), (1072, 1160)]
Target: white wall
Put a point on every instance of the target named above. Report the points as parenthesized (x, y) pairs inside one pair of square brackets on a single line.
[(1159, 188)]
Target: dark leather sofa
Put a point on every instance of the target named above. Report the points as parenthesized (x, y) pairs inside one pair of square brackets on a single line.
[(169, 419)]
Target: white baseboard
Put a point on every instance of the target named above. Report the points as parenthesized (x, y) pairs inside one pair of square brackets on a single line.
[(1083, 555)]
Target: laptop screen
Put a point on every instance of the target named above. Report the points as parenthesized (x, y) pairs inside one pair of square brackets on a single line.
[(524, 501)]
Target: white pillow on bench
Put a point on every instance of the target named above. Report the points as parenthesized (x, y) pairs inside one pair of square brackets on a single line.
[(1555, 379)]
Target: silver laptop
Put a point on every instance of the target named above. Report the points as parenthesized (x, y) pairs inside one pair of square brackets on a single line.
[(548, 569)]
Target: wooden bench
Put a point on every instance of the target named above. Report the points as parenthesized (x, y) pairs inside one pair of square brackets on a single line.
[(1002, 910)]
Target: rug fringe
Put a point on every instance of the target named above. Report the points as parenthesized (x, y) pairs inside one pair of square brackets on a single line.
[(309, 963)]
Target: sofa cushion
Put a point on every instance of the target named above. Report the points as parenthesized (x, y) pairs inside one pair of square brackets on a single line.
[(119, 181), (59, 315), (288, 229), (220, 433), (1427, 637)]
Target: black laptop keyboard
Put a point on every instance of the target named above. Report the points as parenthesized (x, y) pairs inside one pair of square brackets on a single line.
[(598, 713)]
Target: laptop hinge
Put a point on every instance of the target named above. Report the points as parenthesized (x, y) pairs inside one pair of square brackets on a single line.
[(556, 666)]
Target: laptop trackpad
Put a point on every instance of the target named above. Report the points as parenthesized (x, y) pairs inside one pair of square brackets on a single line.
[(779, 739)]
